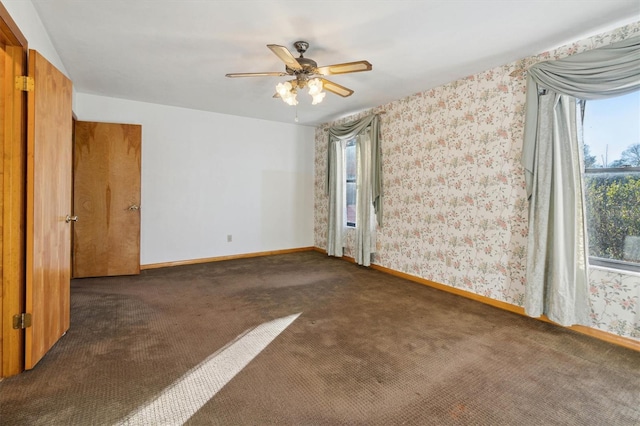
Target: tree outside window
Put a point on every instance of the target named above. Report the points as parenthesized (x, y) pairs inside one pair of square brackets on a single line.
[(612, 181)]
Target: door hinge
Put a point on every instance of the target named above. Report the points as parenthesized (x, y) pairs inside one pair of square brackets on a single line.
[(25, 83), (21, 321)]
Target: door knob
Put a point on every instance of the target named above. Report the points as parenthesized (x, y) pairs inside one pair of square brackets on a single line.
[(71, 219), (134, 207)]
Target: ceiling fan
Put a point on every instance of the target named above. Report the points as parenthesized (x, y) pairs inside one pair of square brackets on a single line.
[(307, 74)]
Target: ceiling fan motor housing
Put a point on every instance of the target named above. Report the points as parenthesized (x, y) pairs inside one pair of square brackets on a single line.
[(301, 47), (308, 66)]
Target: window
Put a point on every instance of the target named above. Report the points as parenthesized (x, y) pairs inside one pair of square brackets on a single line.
[(612, 180), (351, 182)]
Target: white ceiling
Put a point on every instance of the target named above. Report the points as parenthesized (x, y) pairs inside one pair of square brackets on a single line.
[(177, 52)]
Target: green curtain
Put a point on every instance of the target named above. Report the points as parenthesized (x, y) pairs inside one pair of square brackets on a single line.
[(369, 187), (557, 264), (337, 198)]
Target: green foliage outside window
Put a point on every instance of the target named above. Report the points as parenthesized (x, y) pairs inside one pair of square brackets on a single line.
[(613, 215)]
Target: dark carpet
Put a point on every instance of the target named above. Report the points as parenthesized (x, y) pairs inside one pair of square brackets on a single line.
[(367, 349)]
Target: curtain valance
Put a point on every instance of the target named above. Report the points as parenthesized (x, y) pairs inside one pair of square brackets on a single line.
[(596, 74), (349, 131)]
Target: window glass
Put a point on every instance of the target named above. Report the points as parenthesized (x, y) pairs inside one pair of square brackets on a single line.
[(351, 171), (612, 181)]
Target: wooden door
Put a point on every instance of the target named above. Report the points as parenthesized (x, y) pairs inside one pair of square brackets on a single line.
[(106, 198), (49, 167)]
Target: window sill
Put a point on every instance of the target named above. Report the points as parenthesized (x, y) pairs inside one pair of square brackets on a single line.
[(615, 270)]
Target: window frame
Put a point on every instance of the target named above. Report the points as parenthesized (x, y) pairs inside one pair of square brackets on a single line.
[(618, 265), (350, 143), (601, 261)]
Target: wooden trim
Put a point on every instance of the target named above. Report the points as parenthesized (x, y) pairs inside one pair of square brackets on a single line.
[(453, 290), (221, 258), (589, 331), (30, 188), (13, 215), (12, 186)]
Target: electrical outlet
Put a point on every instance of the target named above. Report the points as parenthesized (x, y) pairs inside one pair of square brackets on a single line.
[(229, 238)]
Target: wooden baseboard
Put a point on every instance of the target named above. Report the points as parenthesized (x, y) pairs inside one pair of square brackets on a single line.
[(593, 332), (221, 258)]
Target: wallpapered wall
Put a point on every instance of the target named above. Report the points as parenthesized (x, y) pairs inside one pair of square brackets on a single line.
[(455, 208)]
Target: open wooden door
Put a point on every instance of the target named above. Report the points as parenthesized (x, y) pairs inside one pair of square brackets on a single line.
[(106, 193), (49, 185)]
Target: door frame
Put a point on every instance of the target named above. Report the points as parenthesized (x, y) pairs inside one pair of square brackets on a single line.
[(13, 187)]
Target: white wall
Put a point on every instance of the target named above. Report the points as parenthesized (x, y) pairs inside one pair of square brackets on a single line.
[(25, 15), (208, 175), (28, 20), (204, 175)]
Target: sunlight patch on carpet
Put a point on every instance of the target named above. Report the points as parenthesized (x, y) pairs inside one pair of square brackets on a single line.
[(185, 397)]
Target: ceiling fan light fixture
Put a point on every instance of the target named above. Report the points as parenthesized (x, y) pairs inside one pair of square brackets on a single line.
[(317, 98), (315, 90), (283, 88), (292, 100), (315, 86), (287, 93)]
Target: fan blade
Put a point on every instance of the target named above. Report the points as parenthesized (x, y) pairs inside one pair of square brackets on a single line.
[(285, 56), (332, 87), (256, 74), (345, 68)]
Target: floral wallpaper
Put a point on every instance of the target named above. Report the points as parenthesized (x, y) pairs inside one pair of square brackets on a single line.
[(455, 208)]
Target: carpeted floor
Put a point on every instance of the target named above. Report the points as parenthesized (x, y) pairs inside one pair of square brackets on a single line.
[(366, 349)]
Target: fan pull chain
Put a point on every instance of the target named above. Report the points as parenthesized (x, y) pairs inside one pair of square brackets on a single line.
[(296, 119)]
